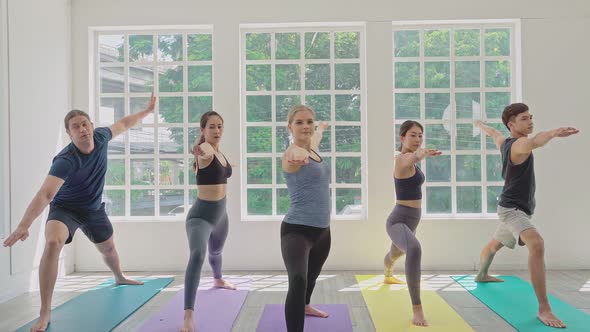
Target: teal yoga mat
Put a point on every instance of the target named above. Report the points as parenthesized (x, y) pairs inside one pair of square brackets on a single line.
[(514, 300), (102, 308)]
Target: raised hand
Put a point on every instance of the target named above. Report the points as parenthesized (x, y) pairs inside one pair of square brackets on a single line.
[(197, 150), (152, 104), (20, 233), (323, 125)]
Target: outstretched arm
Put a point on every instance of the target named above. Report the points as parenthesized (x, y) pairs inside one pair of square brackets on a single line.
[(129, 121), (527, 145), (43, 197), (494, 133)]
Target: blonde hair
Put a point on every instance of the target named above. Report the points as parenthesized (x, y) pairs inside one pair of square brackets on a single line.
[(296, 109)]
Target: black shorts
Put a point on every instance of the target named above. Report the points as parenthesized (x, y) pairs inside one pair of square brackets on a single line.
[(95, 224)]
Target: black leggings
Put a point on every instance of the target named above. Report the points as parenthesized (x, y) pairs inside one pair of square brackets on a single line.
[(304, 249)]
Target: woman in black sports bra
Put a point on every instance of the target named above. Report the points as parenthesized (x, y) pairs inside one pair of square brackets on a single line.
[(206, 222)]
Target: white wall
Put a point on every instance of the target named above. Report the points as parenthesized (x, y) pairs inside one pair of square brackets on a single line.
[(555, 71), (39, 93)]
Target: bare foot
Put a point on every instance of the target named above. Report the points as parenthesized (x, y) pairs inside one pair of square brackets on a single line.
[(220, 283), (188, 326), (418, 318), (487, 278), (42, 323), (391, 280), (127, 281), (311, 311), (549, 319)]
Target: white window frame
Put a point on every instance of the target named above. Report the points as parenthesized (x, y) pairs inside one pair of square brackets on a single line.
[(5, 123), (516, 95), (95, 96), (301, 28)]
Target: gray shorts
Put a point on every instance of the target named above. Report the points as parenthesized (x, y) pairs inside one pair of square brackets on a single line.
[(512, 222)]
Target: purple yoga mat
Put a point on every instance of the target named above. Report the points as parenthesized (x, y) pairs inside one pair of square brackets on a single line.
[(273, 319), (215, 310)]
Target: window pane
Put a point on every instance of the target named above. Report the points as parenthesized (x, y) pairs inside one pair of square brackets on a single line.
[(282, 139), (436, 43), (170, 48), (438, 137), (259, 201), (284, 104), (348, 108), (469, 199), (193, 134), (438, 199), (468, 105), (111, 110), (467, 42), (258, 108), (115, 172), (141, 140), (494, 167), (438, 169), (112, 80), (288, 77), (117, 145), (259, 170), (110, 48), (170, 140), (172, 202), (406, 44), (114, 202), (437, 74), (197, 105), (279, 172), (200, 78), (170, 110), (407, 106), (495, 103), (346, 45), (199, 47), (326, 143), (348, 138), (283, 201), (467, 74), (258, 77), (317, 77), (348, 201), (141, 78), (493, 198), (259, 139), (170, 78), (407, 75), (468, 137), (172, 172), (142, 203), (317, 45), (257, 46), (142, 172), (348, 170), (438, 106), (348, 76), (498, 42), (287, 45), (468, 168), (321, 105), (141, 48), (139, 104), (497, 74)]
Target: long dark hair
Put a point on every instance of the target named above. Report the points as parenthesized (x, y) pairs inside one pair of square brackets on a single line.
[(204, 119), (407, 125)]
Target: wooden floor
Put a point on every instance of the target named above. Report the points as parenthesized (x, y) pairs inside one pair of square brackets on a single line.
[(332, 287)]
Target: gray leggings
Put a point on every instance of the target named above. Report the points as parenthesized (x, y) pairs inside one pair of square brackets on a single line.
[(206, 224), (401, 227)]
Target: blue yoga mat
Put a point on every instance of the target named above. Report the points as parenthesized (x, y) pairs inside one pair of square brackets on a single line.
[(103, 308), (514, 300)]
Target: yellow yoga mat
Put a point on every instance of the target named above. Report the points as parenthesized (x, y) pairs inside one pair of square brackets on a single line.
[(391, 310)]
